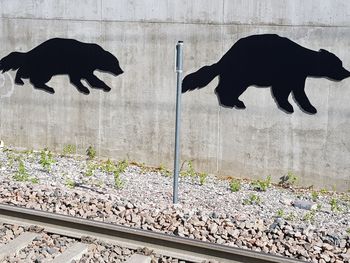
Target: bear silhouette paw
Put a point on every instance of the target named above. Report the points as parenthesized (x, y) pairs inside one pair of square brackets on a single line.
[(107, 89), (310, 110), (239, 104), (49, 90), (19, 82), (287, 108)]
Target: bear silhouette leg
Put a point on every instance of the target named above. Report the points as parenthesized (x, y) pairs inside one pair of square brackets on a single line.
[(77, 83), (281, 94), (18, 79), (228, 96), (97, 83), (42, 86), (40, 83), (303, 101), (238, 92)]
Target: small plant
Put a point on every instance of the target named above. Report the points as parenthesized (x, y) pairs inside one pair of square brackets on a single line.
[(235, 185), (108, 166), (323, 191), (309, 216), (69, 149), (142, 166), (122, 165), (348, 231), (46, 159), (11, 159), (280, 213), (28, 152), (164, 171), (117, 181), (314, 196), (90, 169), (291, 216), (334, 205), (91, 152), (252, 200), (262, 185), (21, 174), (202, 178), (288, 180), (34, 180), (70, 183), (119, 168), (190, 170)]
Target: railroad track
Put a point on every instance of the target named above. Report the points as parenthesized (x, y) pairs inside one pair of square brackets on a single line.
[(185, 249)]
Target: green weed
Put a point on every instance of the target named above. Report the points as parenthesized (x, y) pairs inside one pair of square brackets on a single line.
[(291, 216), (334, 205), (280, 213), (46, 159), (69, 149), (235, 185), (288, 180), (323, 191), (190, 170), (252, 200), (91, 152), (119, 168), (164, 171), (70, 183), (90, 169), (309, 216), (314, 196), (22, 175), (262, 185), (202, 178), (108, 166)]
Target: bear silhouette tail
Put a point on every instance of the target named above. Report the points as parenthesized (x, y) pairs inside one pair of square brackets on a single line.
[(200, 78), (12, 61)]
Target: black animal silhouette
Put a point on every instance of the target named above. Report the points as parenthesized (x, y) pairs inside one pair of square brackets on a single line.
[(62, 56), (267, 60)]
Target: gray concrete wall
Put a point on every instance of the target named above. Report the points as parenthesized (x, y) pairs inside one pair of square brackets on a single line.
[(136, 119)]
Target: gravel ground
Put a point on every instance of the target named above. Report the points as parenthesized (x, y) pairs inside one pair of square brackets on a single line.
[(9, 232), (268, 221), (46, 246)]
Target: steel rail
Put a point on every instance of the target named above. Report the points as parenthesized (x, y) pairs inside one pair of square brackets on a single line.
[(173, 246)]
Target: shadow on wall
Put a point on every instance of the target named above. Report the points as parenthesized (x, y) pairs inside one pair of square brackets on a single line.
[(62, 56), (267, 60)]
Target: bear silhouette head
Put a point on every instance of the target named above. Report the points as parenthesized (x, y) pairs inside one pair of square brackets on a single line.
[(107, 62), (331, 66)]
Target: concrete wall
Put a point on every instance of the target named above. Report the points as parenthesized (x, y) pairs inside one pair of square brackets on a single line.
[(136, 119)]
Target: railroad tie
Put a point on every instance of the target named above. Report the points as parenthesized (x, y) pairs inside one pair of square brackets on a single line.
[(137, 258), (75, 252), (17, 244)]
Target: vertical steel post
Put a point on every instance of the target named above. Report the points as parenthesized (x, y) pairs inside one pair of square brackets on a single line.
[(179, 61)]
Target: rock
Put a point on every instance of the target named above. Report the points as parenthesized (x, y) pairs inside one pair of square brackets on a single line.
[(241, 217), (303, 204), (213, 228), (129, 206), (286, 201)]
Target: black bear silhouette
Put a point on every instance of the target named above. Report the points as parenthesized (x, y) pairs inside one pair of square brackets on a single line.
[(267, 60), (62, 56)]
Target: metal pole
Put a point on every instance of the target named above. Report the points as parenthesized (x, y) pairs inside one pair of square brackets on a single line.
[(179, 56)]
